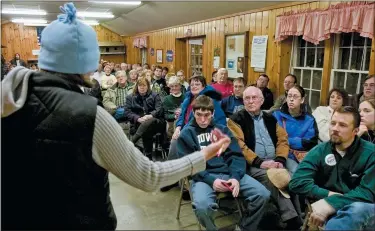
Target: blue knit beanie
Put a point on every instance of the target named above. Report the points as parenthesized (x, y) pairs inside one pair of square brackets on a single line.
[(68, 45)]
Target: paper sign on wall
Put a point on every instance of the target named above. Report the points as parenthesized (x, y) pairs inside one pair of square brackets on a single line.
[(259, 51)]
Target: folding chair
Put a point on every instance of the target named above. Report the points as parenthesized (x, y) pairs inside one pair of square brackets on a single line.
[(185, 184), (305, 226)]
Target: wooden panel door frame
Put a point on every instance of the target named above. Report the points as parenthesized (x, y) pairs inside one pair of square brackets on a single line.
[(181, 55), (246, 51), (188, 55)]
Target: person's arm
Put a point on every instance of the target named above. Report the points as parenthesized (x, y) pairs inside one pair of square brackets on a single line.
[(364, 192), (322, 123), (250, 156), (224, 104), (168, 110), (303, 180), (219, 115), (181, 118), (282, 146), (278, 103), (308, 141), (158, 112), (114, 152), (131, 116), (108, 104), (234, 158)]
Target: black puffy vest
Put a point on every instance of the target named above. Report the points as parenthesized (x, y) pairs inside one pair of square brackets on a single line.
[(49, 178)]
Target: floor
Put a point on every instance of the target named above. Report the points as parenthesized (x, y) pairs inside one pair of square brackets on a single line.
[(137, 210)]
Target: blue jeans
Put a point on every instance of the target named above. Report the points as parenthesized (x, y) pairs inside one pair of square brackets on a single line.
[(255, 196), (291, 165), (356, 216)]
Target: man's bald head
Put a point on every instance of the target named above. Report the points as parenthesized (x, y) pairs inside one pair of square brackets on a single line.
[(253, 99), (222, 76)]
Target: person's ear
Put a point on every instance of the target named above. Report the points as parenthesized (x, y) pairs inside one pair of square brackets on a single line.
[(302, 100), (355, 131)]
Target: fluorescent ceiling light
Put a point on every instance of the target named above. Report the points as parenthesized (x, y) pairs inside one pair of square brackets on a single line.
[(90, 22), (23, 11), (88, 14), (133, 3), (29, 20), (36, 24)]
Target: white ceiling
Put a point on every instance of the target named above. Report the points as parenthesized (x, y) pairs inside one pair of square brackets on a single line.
[(150, 15)]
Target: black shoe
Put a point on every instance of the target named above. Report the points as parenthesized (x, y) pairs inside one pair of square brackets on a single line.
[(186, 195), (169, 187), (294, 224)]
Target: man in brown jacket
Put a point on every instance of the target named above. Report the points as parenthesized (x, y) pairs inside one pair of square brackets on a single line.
[(265, 145)]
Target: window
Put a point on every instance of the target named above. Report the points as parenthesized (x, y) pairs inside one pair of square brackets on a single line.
[(144, 55), (196, 56), (351, 62), (307, 64)]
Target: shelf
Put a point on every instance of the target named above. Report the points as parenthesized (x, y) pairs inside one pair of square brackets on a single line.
[(112, 53), (111, 44)]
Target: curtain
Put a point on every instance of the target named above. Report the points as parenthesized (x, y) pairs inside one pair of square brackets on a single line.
[(140, 42), (317, 25)]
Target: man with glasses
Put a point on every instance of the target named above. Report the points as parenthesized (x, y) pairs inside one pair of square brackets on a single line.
[(262, 84), (368, 92), (229, 168), (234, 103), (340, 175), (264, 144)]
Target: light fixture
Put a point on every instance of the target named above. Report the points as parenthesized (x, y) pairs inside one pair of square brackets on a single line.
[(90, 22), (133, 3), (29, 20), (36, 24), (23, 11), (87, 14)]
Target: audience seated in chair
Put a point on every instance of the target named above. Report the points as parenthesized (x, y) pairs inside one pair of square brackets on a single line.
[(322, 114), (115, 99), (172, 104), (289, 81), (340, 175), (198, 87), (108, 80), (300, 126), (223, 85), (262, 84), (368, 92), (367, 126), (234, 103), (229, 167), (144, 110), (159, 84), (264, 144)]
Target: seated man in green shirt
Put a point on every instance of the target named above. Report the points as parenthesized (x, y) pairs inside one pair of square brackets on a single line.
[(340, 175)]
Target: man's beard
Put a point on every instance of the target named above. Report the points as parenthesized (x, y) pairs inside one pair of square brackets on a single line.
[(336, 140)]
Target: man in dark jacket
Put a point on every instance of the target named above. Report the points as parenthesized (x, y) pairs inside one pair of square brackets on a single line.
[(228, 168), (264, 144), (234, 103), (262, 83), (340, 175)]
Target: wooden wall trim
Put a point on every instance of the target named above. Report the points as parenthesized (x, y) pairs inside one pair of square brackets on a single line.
[(327, 67), (372, 58), (268, 8)]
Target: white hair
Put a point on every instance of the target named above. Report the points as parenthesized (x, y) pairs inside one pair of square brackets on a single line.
[(174, 80)]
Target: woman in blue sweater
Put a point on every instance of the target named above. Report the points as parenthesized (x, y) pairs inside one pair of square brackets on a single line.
[(299, 124)]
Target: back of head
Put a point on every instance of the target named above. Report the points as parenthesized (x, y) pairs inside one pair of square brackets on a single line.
[(68, 45)]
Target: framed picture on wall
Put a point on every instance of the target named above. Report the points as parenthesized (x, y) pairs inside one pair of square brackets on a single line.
[(159, 56), (236, 54)]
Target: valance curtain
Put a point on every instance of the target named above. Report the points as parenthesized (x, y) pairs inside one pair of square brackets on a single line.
[(140, 42), (317, 25)]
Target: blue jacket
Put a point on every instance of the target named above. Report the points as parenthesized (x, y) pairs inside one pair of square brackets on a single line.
[(219, 116), (302, 130), (231, 105), (231, 162)]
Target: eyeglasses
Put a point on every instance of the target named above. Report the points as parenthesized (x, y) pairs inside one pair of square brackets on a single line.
[(195, 85), (254, 98), (293, 96)]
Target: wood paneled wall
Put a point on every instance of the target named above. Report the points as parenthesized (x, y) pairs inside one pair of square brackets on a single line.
[(23, 39), (257, 22)]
